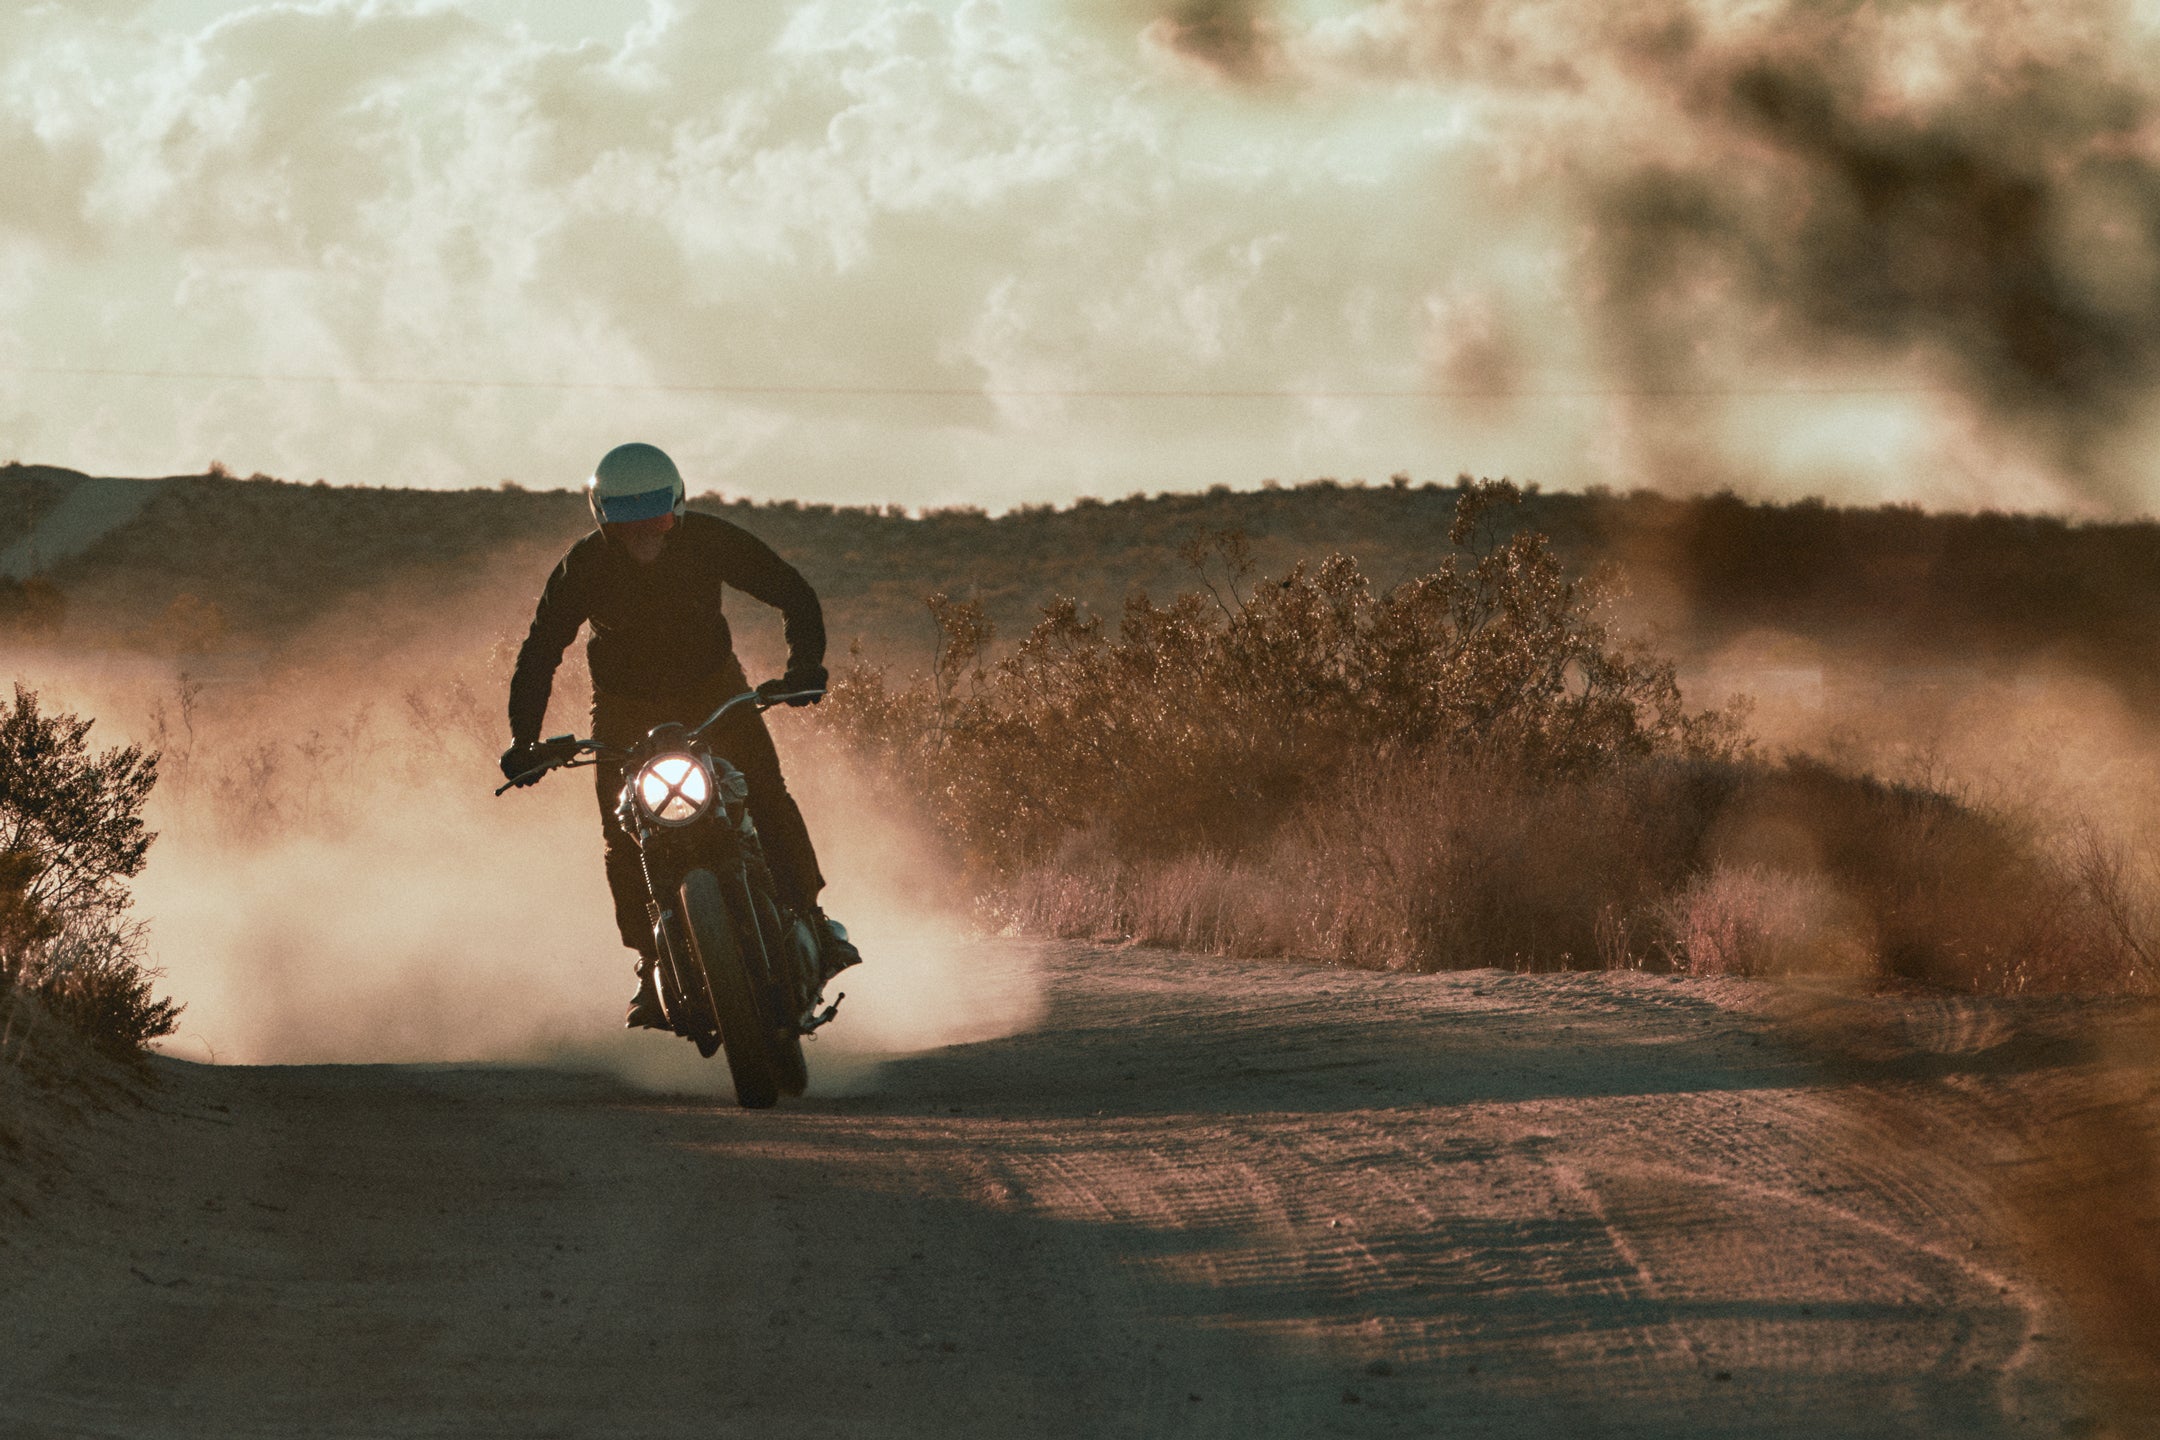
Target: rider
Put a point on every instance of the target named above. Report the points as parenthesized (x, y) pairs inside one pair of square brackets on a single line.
[(648, 581)]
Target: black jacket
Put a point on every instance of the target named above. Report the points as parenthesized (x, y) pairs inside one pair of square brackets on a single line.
[(657, 629)]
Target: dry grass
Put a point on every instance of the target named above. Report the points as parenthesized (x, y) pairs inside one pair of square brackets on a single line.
[(1733, 867), (1469, 769)]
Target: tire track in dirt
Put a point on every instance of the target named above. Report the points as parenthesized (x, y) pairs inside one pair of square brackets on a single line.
[(1321, 1202)]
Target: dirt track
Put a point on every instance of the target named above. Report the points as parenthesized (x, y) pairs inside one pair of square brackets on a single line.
[(1201, 1198)]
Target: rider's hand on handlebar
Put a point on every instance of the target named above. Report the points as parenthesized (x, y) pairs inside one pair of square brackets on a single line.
[(809, 677), (521, 757)]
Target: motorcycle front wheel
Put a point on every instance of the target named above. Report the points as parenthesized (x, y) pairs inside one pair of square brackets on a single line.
[(789, 1066), (684, 997), (745, 1032)]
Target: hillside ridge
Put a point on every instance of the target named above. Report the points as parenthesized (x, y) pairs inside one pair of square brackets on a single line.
[(271, 559)]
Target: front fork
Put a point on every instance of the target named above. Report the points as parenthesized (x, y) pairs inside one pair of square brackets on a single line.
[(668, 950), (671, 948), (784, 963)]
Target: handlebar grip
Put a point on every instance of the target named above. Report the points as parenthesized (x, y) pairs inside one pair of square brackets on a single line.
[(767, 700), (556, 750)]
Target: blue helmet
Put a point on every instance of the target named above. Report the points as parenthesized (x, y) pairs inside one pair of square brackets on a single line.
[(634, 482)]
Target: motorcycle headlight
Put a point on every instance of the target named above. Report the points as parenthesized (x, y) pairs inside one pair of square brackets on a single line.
[(674, 789)]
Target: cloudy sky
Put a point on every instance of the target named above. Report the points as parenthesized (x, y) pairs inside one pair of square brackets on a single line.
[(993, 253)]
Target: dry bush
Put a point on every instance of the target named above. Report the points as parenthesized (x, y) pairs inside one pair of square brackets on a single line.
[(1829, 869), (91, 978), (1412, 861), (1707, 866), (1301, 766), (1199, 725), (1755, 921), (71, 836), (1468, 769)]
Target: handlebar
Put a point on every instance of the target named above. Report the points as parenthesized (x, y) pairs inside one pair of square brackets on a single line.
[(560, 753), (565, 752), (758, 698)]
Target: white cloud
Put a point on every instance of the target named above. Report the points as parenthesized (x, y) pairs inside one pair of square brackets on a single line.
[(867, 194)]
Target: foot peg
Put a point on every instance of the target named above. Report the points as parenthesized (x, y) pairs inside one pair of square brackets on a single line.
[(815, 1017)]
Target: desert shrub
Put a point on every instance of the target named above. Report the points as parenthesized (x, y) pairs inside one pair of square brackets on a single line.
[(1709, 866), (1200, 725), (1933, 888), (1804, 867), (1467, 769), (1408, 860), (71, 836), (1292, 765)]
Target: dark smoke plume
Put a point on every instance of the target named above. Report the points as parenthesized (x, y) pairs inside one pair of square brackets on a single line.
[(1236, 39), (2014, 237), (1964, 191)]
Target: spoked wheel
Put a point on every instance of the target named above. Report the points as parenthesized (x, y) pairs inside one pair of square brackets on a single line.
[(744, 1028)]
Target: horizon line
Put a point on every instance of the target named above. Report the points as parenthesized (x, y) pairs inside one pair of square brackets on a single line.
[(976, 392)]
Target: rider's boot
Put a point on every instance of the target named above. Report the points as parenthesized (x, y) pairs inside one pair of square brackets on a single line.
[(835, 951), (645, 1012)]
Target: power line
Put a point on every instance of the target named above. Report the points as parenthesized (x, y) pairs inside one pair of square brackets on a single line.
[(968, 392)]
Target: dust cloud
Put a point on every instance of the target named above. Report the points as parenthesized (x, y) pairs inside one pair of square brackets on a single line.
[(930, 978), (335, 882), (2003, 227), (2070, 1182), (2042, 740)]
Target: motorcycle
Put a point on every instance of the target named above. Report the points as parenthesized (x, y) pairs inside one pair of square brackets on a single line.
[(735, 969)]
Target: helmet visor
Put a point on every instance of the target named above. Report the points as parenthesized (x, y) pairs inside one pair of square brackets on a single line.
[(625, 509)]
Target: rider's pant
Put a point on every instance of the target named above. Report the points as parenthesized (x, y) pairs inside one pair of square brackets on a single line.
[(744, 742)]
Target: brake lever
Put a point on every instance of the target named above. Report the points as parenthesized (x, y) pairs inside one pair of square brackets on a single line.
[(530, 777), (572, 752)]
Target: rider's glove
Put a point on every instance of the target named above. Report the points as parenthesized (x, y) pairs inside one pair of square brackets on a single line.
[(518, 759), (807, 677)]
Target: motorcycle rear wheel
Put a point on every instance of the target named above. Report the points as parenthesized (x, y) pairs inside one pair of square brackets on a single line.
[(745, 1031)]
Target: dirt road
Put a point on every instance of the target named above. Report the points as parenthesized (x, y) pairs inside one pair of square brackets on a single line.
[(1199, 1198)]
